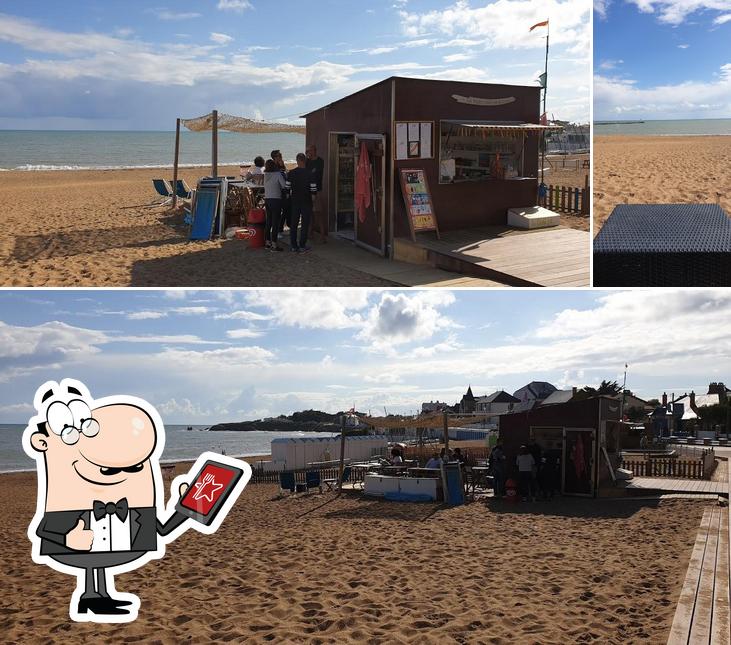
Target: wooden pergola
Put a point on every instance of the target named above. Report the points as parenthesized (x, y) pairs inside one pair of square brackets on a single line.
[(215, 122)]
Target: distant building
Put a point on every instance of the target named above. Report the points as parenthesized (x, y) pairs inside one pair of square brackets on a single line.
[(496, 402), (467, 404), (433, 406), (534, 391), (559, 396)]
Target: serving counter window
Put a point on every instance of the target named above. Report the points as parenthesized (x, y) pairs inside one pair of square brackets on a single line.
[(479, 152)]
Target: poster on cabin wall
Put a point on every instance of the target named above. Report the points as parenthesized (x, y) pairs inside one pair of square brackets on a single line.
[(418, 201), (413, 140)]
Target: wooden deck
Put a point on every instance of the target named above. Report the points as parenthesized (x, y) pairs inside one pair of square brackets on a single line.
[(549, 257), (695, 486), (702, 614)]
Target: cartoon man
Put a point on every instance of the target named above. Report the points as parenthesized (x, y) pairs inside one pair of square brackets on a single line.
[(98, 507)]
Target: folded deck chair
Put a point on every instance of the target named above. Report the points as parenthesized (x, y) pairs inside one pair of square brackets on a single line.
[(182, 189), (312, 480), (163, 189), (332, 483), (286, 482)]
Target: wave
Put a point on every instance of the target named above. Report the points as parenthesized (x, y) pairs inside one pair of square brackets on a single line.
[(52, 167)]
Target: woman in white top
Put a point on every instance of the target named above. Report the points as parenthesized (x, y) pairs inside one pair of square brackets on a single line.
[(256, 174), (273, 186)]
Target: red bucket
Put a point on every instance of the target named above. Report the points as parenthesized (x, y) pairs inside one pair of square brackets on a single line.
[(256, 216)]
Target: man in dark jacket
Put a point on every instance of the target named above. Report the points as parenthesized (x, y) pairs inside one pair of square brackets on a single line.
[(301, 199), (316, 167)]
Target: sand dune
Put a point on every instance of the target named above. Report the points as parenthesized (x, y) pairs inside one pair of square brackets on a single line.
[(322, 569), (660, 170)]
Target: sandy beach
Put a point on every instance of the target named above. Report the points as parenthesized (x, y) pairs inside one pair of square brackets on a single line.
[(321, 569), (70, 228), (657, 170)]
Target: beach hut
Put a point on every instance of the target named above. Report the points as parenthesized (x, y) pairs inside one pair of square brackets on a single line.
[(293, 453), (583, 432), (439, 156)]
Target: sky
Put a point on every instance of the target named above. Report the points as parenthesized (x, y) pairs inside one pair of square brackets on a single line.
[(662, 59), (203, 357), (139, 65)]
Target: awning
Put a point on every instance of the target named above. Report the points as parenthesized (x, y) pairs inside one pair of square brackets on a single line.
[(485, 129), (238, 124)]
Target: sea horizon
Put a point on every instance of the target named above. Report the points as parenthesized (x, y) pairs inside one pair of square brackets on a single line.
[(39, 150), (663, 127), (181, 444)]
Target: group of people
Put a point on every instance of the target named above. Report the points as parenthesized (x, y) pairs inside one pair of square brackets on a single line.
[(291, 197), (539, 471), (446, 456)]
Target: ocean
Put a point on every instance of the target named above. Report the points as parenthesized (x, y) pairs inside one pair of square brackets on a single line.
[(86, 150), (180, 444), (691, 127)]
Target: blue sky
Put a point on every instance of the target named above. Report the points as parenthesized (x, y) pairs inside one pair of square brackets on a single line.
[(138, 65), (210, 356), (662, 59)]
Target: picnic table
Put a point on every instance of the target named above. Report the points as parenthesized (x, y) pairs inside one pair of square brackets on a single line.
[(479, 478)]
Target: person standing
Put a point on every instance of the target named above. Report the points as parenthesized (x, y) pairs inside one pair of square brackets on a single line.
[(526, 465), (274, 185), (301, 200), (276, 156), (497, 467), (316, 168)]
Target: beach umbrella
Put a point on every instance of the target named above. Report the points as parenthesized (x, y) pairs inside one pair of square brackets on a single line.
[(215, 121)]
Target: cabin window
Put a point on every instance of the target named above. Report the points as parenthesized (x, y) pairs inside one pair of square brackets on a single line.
[(469, 151)]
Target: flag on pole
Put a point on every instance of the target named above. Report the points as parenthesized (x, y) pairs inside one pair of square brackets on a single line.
[(543, 120), (539, 24), (542, 80)]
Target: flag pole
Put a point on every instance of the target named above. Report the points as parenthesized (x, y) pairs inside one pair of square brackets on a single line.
[(621, 410), (545, 91)]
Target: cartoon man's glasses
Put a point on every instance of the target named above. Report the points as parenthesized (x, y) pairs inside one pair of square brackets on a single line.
[(71, 420)]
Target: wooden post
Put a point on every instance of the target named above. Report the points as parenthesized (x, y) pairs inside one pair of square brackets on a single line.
[(214, 145), (175, 163), (342, 454), (446, 434)]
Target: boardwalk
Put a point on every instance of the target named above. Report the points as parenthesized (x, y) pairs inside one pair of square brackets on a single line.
[(697, 486), (555, 257)]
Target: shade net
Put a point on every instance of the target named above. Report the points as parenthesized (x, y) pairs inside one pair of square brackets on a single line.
[(238, 124)]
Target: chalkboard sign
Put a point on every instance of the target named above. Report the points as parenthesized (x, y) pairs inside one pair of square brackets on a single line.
[(204, 213), (418, 202)]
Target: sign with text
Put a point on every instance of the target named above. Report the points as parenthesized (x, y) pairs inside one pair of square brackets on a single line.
[(418, 201)]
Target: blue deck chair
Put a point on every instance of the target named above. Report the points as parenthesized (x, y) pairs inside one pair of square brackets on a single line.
[(332, 483), (182, 189), (286, 482), (312, 480), (163, 189)]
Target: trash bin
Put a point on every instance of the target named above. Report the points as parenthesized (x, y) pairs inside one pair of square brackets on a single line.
[(256, 221)]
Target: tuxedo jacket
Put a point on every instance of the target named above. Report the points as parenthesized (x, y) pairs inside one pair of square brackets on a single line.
[(144, 529)]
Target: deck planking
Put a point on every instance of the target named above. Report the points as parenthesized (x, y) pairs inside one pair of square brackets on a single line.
[(543, 257)]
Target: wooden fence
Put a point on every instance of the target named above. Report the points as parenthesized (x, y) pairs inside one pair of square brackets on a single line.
[(567, 199), (687, 469)]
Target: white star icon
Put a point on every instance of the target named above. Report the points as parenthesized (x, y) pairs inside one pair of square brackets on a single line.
[(208, 483)]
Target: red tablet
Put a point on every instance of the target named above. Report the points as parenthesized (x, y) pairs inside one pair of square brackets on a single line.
[(208, 491)]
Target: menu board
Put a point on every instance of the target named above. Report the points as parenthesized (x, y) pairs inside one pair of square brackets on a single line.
[(418, 202), (413, 140)]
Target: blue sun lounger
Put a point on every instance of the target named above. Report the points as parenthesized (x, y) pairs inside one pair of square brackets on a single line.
[(182, 189), (163, 189)]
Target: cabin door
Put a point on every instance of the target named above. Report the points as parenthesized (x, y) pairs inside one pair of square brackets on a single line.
[(578, 463), (370, 231)]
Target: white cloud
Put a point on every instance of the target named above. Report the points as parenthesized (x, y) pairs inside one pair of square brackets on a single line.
[(621, 97), (675, 12), (454, 58), (610, 64), (381, 50), (244, 333), (403, 318), (237, 6), (722, 19), (51, 339), (601, 7), (145, 315), (221, 39), (191, 311), (313, 309), (505, 23), (242, 315), (683, 46), (168, 14), (174, 339)]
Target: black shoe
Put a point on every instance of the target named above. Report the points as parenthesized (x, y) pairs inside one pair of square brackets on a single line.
[(117, 602), (102, 606)]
